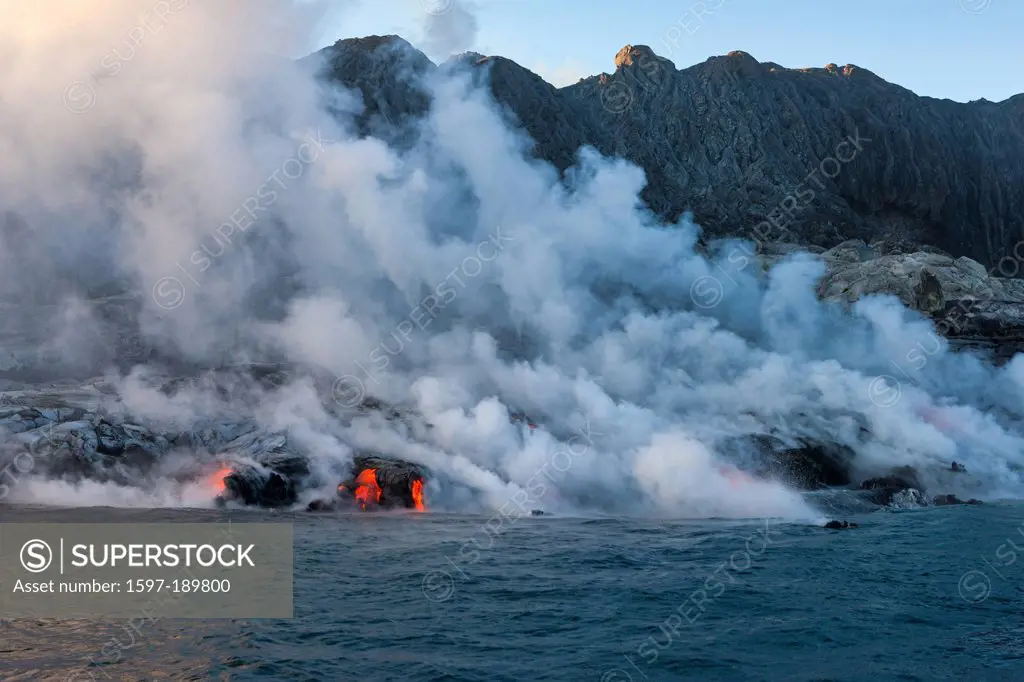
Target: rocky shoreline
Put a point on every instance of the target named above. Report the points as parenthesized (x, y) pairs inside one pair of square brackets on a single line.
[(75, 431), (77, 434), (82, 433)]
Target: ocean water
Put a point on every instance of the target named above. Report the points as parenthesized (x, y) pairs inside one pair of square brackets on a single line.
[(931, 594)]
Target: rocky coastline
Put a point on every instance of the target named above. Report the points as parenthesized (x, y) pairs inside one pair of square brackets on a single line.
[(81, 433)]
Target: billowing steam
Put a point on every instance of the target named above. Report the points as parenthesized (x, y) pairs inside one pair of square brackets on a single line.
[(181, 162)]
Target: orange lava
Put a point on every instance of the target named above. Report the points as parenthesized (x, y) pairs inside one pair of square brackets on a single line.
[(417, 495), (367, 490), (217, 479)]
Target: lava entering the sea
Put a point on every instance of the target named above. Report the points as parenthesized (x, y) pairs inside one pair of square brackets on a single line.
[(217, 479), (417, 495), (379, 484), (367, 491), (376, 489)]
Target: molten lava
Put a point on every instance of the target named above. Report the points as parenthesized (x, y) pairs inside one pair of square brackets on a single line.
[(367, 490), (417, 494), (217, 479)]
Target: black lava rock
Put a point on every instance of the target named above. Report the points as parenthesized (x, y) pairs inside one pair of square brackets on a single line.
[(801, 464), (756, 132), (321, 506), (395, 478), (946, 500), (840, 525), (258, 487), (884, 488)]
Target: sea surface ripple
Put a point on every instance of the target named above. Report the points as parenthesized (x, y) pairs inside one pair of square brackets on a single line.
[(918, 595)]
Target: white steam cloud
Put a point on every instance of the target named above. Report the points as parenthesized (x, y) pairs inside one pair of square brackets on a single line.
[(185, 163)]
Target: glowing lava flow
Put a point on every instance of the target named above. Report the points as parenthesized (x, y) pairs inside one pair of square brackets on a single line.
[(217, 479), (417, 495), (367, 490)]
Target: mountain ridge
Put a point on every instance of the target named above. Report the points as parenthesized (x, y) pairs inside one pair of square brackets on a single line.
[(732, 139)]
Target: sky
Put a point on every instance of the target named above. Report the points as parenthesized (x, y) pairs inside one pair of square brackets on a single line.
[(957, 49)]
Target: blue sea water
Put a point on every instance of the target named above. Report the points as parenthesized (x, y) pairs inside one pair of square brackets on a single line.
[(932, 594)]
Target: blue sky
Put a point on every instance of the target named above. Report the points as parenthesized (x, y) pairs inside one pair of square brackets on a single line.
[(957, 49)]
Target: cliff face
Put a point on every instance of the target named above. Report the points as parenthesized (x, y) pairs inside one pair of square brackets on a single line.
[(388, 73), (814, 156)]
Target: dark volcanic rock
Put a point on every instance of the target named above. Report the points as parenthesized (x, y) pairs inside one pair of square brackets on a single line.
[(395, 478), (270, 489), (273, 479), (946, 500), (902, 477), (557, 126), (885, 488), (987, 320), (259, 487), (928, 292), (840, 525), (386, 71), (732, 138), (819, 464), (83, 432), (802, 464)]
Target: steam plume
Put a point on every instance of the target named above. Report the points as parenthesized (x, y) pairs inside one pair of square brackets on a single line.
[(186, 164)]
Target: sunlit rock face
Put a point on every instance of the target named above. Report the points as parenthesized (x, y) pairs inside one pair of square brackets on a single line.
[(922, 280), (965, 300)]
